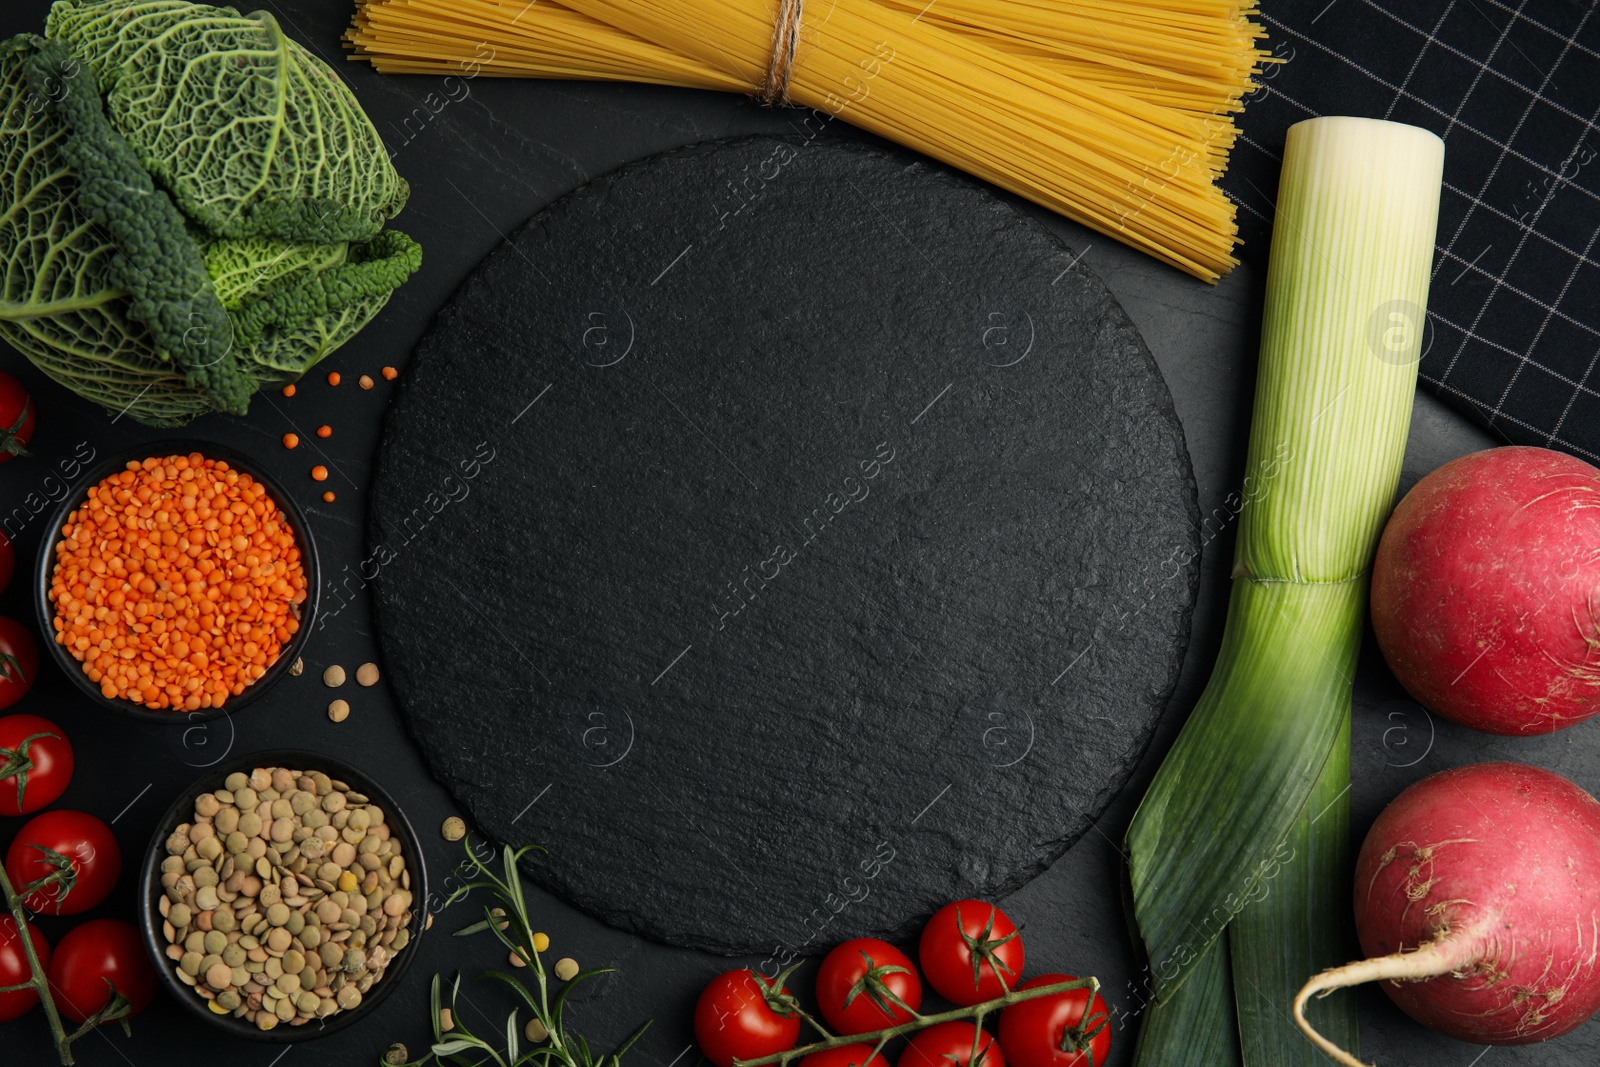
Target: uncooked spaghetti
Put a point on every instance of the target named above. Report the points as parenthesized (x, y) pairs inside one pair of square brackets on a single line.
[(1116, 113)]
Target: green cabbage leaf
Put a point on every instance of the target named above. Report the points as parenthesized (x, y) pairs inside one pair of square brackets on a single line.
[(192, 207)]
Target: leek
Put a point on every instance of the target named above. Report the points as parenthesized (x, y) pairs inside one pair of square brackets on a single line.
[(1347, 285), (1194, 1027), (1300, 916)]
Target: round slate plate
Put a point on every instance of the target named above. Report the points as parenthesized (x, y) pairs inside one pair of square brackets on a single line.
[(789, 536)]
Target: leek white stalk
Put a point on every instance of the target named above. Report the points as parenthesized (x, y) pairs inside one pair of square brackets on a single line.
[(1347, 286)]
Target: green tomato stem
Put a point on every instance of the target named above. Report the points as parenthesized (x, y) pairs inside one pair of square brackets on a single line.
[(975, 1012), (37, 979), (818, 1027), (1077, 1038), (18, 762)]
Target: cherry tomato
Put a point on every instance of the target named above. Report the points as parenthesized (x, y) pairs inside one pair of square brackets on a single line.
[(1037, 1033), (76, 851), (92, 954), (961, 947), (733, 1020), (14, 969), (16, 418), (35, 764), (845, 1056), (8, 561), (859, 983), (19, 661), (950, 1045)]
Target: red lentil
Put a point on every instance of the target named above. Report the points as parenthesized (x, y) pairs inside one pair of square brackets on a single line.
[(288, 390), (319, 472), (390, 374), (333, 377), (365, 381), (177, 583), (291, 440), (328, 497), (324, 431)]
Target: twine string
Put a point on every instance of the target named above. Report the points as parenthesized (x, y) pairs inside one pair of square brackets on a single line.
[(785, 36)]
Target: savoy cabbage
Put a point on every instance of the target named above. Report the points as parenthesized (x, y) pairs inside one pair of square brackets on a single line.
[(192, 206)]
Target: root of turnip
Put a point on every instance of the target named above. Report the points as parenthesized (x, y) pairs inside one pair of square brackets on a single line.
[(1446, 954)]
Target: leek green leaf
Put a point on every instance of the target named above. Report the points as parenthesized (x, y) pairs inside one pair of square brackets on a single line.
[(1298, 923), (1195, 1027)]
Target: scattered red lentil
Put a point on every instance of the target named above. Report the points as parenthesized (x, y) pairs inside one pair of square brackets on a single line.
[(365, 381), (177, 583), (390, 374), (288, 390), (324, 431), (319, 472), (333, 377), (291, 440), (327, 497)]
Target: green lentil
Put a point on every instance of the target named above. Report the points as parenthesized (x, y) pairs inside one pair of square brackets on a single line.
[(261, 864)]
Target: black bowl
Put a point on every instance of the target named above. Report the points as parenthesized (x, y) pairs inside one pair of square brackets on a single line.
[(45, 569), (182, 810)]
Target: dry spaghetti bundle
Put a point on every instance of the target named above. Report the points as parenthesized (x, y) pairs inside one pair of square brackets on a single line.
[(1115, 113)]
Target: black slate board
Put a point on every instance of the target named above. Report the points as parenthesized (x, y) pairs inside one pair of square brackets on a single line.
[(779, 527)]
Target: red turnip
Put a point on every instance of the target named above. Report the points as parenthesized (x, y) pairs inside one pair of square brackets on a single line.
[(1477, 897), (1486, 591)]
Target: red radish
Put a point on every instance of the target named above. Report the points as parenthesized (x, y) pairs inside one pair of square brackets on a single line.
[(1477, 897), (1486, 591)]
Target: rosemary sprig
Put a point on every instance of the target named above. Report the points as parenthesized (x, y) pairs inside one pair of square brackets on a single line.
[(454, 1042)]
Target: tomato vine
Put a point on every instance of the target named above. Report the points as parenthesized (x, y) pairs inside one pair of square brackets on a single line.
[(1079, 1035)]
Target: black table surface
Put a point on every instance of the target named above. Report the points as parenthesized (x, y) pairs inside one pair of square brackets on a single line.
[(479, 165)]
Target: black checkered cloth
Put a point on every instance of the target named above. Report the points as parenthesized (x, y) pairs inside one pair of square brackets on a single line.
[(1514, 90)]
